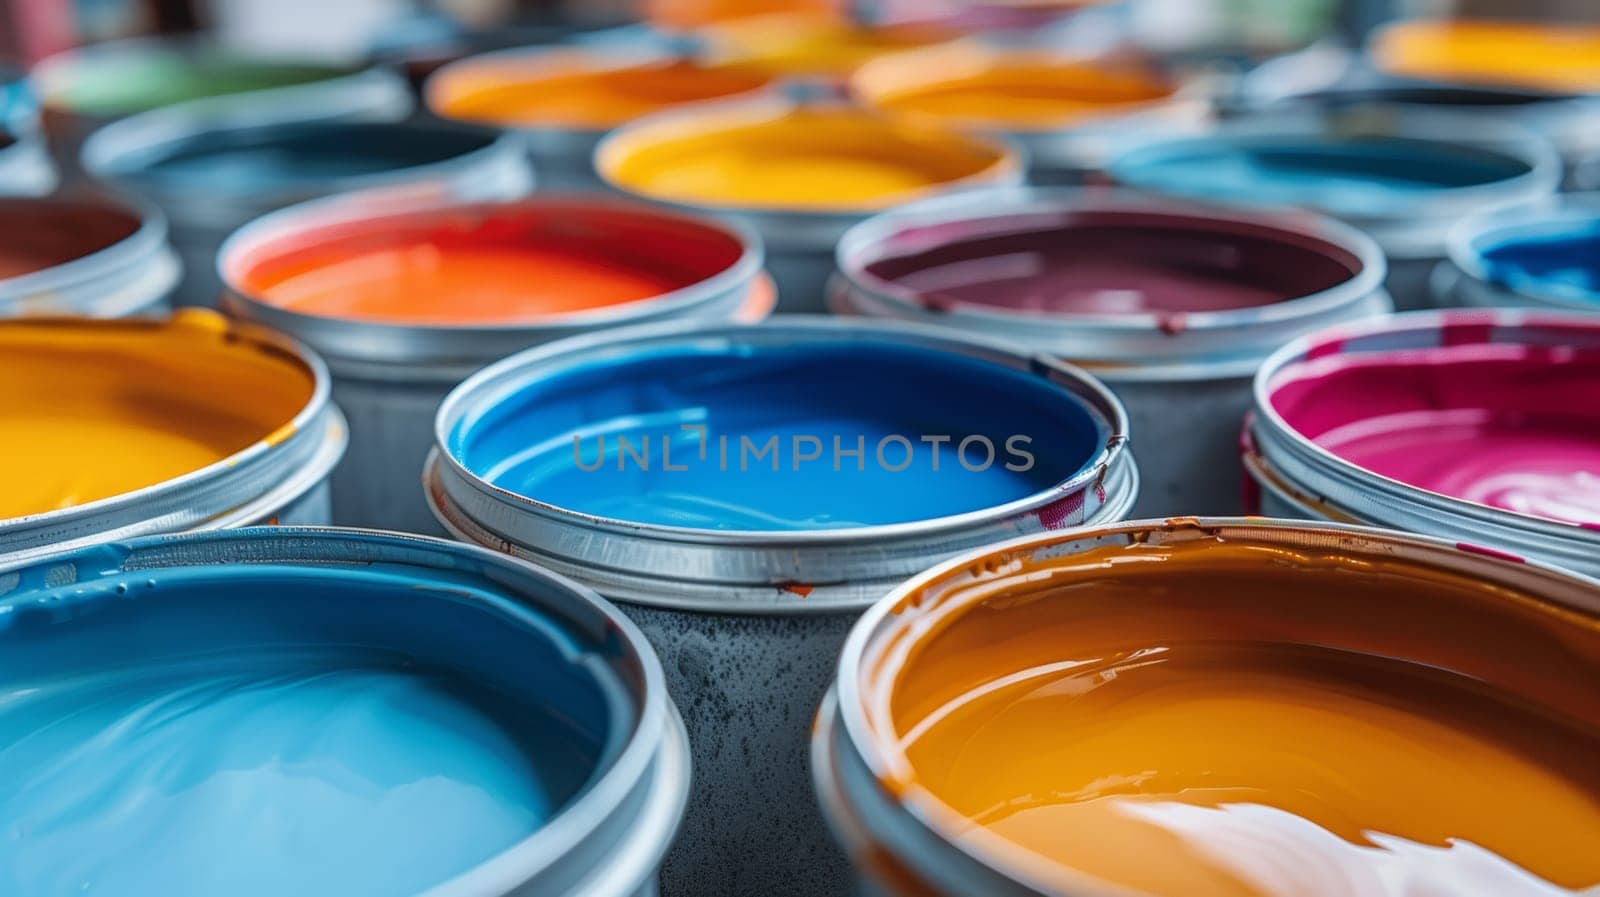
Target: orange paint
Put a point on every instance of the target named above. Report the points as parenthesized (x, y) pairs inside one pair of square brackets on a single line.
[(95, 409), (813, 45), (1226, 718), (695, 13), (1563, 58), (579, 91), (484, 265)]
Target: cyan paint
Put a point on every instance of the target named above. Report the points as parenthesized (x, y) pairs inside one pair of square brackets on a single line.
[(308, 156), (1351, 176), (1558, 258), (256, 729), (537, 440)]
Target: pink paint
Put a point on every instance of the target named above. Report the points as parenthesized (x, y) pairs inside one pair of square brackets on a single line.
[(1508, 425)]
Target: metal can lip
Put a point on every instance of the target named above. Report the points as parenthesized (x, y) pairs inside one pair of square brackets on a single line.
[(1530, 220), (1410, 228), (1225, 343), (637, 802), (283, 464), (723, 568), (1380, 500), (142, 264), (464, 349), (909, 818)]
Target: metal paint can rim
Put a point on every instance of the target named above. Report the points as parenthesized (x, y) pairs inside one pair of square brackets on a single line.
[(142, 263), (1527, 220)]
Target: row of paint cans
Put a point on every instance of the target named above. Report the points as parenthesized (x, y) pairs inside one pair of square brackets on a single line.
[(133, 427), (744, 493), (216, 165), (799, 174), (87, 254), (1172, 305), (405, 295), (401, 714), (1542, 255), (1478, 426), (1137, 709), (1404, 177)]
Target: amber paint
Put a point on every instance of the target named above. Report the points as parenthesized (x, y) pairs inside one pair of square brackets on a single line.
[(1553, 57), (814, 45), (94, 409), (968, 87), (696, 13), (578, 91), (1213, 719), (816, 158)]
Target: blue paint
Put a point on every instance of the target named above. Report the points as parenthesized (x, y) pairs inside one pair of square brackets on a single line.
[(332, 731), (1353, 176), (300, 156), (1558, 258), (858, 391)]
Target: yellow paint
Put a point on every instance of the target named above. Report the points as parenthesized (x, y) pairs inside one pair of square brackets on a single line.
[(695, 13), (1560, 58), (971, 87), (1233, 720), (811, 159), (576, 90), (93, 409), (813, 45)]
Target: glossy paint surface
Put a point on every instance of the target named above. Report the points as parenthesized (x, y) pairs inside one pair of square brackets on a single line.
[(1073, 717), (265, 730), (483, 265), (93, 409), (1559, 259), (1563, 57), (1109, 263), (43, 233), (1509, 426), (537, 440)]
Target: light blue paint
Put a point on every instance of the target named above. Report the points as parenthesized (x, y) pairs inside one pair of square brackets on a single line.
[(266, 730), (858, 392), (1558, 258), (1344, 176)]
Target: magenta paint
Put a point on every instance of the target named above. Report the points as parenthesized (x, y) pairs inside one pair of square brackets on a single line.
[(1513, 425)]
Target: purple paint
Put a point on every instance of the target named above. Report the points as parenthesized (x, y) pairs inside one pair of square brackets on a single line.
[(1110, 263), (1509, 425)]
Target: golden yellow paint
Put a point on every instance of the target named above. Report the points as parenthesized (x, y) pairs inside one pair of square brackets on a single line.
[(823, 158), (695, 13), (813, 45), (1560, 58), (93, 409), (1237, 720), (971, 87), (578, 90)]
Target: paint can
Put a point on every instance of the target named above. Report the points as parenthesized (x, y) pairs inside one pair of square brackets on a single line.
[(673, 15), (1146, 684), (1475, 426), (409, 323), (86, 254), (400, 714), (216, 166), (83, 88), (745, 577), (560, 101), (1172, 305), (1065, 111), (1543, 255), (1403, 177), (821, 48), (25, 168), (799, 174), (137, 427)]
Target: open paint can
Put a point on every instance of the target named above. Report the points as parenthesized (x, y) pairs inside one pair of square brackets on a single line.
[(25, 168), (215, 167), (560, 101), (822, 48), (743, 493), (1065, 111), (1544, 255), (132, 427), (1403, 177), (86, 254), (318, 711), (1210, 707), (405, 296), (1172, 305), (799, 174), (1478, 426)]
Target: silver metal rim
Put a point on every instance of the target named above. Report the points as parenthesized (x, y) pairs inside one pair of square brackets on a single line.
[(126, 277), (1529, 219)]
